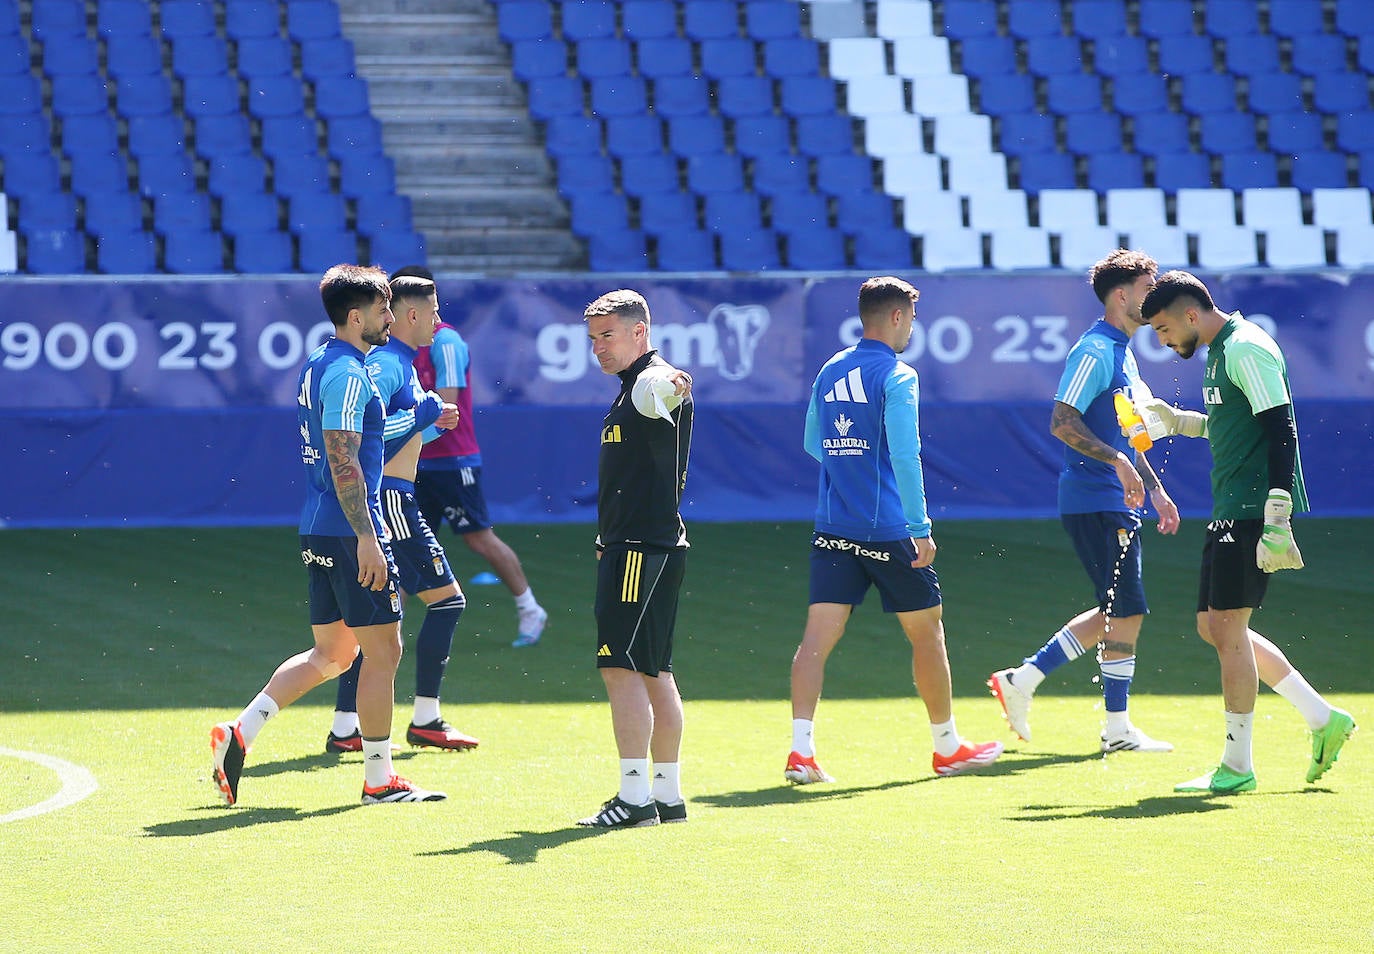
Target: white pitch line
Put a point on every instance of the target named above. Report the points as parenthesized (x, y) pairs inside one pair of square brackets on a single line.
[(76, 781)]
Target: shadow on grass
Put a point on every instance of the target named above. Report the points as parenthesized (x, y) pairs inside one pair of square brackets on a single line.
[(792, 794), (1155, 806), (226, 819), (521, 847), (312, 763)]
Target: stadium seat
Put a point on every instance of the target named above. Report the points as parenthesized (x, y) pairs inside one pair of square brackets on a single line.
[(986, 57), (1167, 244), (157, 135), (1303, 246), (299, 174), (56, 252), (71, 56), (998, 209), (250, 213), (751, 250), (210, 95), (58, 20), (323, 59), (343, 96), (759, 135), (1249, 170), (1228, 18), (917, 57), (1115, 170), (249, 18), (1046, 170), (1068, 210), (1318, 170), (1253, 55), (264, 56), (941, 95), (1229, 132), (318, 251), (1354, 18), (193, 253), (312, 20), (914, 173), (664, 56), (1294, 132), (1162, 18), (186, 18), (718, 173), (589, 213), (617, 252), (45, 212), (1033, 19), (90, 134), (936, 212), (79, 95), (728, 56), (1047, 55), (825, 135), (32, 173), (181, 212), (1022, 132), (649, 19), (857, 212), (397, 246), (524, 21), (650, 174), (1341, 93), (967, 134), (844, 174), (1138, 93), (1185, 54), (640, 135), (1317, 53), (803, 212), (738, 96), (270, 96), (16, 59), (20, 95), (317, 211), (975, 173), (620, 96), (781, 174), (708, 19), (1268, 209), (361, 173), (117, 213), (132, 55), (662, 212), (1291, 18), (1341, 208), (1224, 247), (1018, 248), (590, 172), (815, 250), (1355, 247), (1121, 55), (830, 21), (289, 136), (795, 56), (1075, 92), (1275, 93), (1182, 170), (1205, 93), (1134, 208), (1196, 210), (883, 250), (699, 135), (131, 252), (899, 18), (893, 136), (1083, 248), (567, 136), (687, 250), (770, 20), (588, 19), (123, 18), (200, 55), (603, 56), (97, 173), (268, 252), (970, 18), (1087, 133), (1160, 133), (852, 57), (951, 249), (874, 95), (354, 134), (387, 213)]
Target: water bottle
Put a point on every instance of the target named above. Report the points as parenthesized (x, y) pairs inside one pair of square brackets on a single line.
[(1131, 422)]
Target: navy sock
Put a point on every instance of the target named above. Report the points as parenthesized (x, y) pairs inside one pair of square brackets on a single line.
[(346, 697), (434, 642)]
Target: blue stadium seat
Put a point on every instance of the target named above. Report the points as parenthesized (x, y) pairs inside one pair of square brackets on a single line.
[(377, 213), (555, 96), (74, 94), (149, 95), (123, 18), (316, 211), (189, 212), (687, 250), (1024, 132), (275, 96), (396, 246), (1208, 93), (839, 175), (658, 57), (859, 211), (729, 56), (250, 213), (1317, 53), (796, 56), (816, 249), (117, 213), (199, 252), (770, 20), (760, 135), (1321, 170), (736, 96), (342, 97), (707, 19), (1075, 92), (1121, 55), (1008, 95), (46, 211), (319, 251), (825, 135), (56, 252), (619, 251), (71, 55), (326, 58), (299, 175), (887, 249), (354, 134), (23, 133), (1293, 132), (732, 212), (1341, 92), (210, 95), (156, 135), (1355, 132), (778, 174), (128, 252), (1253, 55), (619, 96), (983, 56), (696, 135), (32, 173), (650, 174), (594, 212), (588, 19), (1248, 170), (587, 173), (1228, 18), (524, 21), (1159, 133), (1099, 19), (570, 136), (531, 59), (1185, 54), (1366, 170), (970, 18), (96, 173), (807, 95), (1290, 18), (749, 250), (1136, 93), (1229, 132), (1057, 53), (803, 212), (200, 55), (676, 96), (16, 58), (648, 19), (1030, 19), (132, 54), (1182, 170), (662, 212), (245, 18), (312, 20), (268, 252), (264, 56), (186, 18), (640, 135), (59, 20), (1115, 170), (90, 134), (235, 174), (717, 173), (603, 56), (1159, 18), (1353, 18), (289, 136), (1092, 132)]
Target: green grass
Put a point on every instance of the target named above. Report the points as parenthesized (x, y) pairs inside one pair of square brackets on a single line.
[(121, 647)]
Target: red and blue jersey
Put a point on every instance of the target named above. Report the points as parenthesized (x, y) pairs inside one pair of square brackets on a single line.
[(445, 364)]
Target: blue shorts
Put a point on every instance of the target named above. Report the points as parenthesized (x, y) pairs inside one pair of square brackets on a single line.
[(1108, 545), (420, 560), (336, 594), (842, 571), (454, 497)]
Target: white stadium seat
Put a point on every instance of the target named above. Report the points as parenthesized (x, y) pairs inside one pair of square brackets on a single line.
[(1014, 248), (951, 249), (1227, 247), (941, 95), (992, 209), (868, 95), (923, 213), (1355, 246), (911, 173), (1165, 243), (857, 56), (830, 20), (920, 56), (963, 134), (892, 134), (1198, 209), (977, 173), (1338, 208), (9, 252), (1083, 248), (1299, 246), (1268, 209), (1063, 210), (1135, 208), (899, 18)]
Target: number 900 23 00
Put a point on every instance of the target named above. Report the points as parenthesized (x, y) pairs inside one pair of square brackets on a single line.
[(180, 346)]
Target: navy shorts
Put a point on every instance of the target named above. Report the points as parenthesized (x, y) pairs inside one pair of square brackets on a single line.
[(454, 497), (636, 608), (336, 594), (420, 560), (1109, 547), (1231, 577), (842, 570)]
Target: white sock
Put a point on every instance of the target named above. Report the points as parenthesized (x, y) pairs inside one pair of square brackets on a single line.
[(345, 723), (634, 781), (1237, 753), (803, 738), (526, 601), (255, 716), (1304, 698), (667, 783), (946, 737), (377, 761), (1117, 724), (426, 710), (1027, 678)]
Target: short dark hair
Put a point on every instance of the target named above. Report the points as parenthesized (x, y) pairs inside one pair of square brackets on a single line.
[(412, 286), (878, 296), (625, 303), (414, 271), (345, 287), (1119, 268), (1172, 286)]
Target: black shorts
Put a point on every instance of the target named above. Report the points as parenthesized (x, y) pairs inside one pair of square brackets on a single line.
[(335, 593), (636, 608), (1231, 578), (842, 570), (454, 497)]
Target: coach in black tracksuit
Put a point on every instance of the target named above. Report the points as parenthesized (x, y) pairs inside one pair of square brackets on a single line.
[(642, 552)]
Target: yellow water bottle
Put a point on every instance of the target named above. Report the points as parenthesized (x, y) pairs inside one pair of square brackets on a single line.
[(1131, 422)]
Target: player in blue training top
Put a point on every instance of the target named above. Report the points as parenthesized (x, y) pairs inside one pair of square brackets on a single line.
[(1102, 487), (354, 600), (872, 528), (423, 565)]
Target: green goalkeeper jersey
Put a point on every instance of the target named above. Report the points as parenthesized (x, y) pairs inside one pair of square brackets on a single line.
[(1246, 375)]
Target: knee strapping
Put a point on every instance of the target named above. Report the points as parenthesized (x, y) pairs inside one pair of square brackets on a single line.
[(327, 665)]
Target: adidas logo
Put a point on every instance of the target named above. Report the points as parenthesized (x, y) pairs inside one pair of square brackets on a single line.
[(658, 775), (604, 650), (632, 773), (265, 714), (848, 388), (374, 758), (1227, 539)]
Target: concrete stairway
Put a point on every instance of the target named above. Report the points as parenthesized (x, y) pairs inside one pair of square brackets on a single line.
[(454, 121)]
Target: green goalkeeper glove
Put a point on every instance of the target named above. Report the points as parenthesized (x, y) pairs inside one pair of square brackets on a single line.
[(1276, 549), (1173, 420)]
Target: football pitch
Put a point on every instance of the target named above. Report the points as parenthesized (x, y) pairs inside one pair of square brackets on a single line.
[(122, 647)]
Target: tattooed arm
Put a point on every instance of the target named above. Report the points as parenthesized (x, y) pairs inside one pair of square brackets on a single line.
[(347, 472), (1066, 423)]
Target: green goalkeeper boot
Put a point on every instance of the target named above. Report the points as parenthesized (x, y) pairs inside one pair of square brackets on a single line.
[(1327, 742)]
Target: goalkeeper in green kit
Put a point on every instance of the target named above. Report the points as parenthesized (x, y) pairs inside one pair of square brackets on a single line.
[(1256, 486)]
